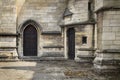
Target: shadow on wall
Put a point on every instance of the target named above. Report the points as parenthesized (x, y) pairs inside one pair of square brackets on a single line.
[(19, 4)]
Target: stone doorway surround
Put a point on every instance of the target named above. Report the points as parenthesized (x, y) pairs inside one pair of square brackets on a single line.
[(20, 37)]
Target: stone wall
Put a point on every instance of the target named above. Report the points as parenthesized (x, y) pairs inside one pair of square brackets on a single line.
[(48, 13), (108, 34), (98, 4), (106, 4), (79, 15), (8, 17), (0, 11), (52, 46), (84, 51), (8, 28), (111, 30), (19, 5), (81, 31), (108, 23), (79, 8), (52, 40)]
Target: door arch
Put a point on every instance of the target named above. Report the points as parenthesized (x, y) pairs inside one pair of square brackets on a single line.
[(30, 41), (71, 43)]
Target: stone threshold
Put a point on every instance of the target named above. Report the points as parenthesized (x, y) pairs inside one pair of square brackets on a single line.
[(33, 59)]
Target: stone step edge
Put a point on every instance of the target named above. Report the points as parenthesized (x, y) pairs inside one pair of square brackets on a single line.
[(33, 59)]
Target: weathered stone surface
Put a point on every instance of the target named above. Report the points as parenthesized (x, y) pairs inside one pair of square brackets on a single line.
[(49, 70), (107, 62), (108, 30), (80, 12), (83, 51), (107, 57), (8, 16), (47, 16), (106, 3), (47, 13)]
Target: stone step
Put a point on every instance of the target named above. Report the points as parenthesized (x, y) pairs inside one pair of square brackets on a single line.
[(31, 58)]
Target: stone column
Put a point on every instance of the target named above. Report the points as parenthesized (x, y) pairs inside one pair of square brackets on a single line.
[(108, 45), (65, 43), (108, 53)]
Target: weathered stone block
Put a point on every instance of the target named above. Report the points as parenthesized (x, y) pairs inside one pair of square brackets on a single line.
[(108, 36), (106, 63)]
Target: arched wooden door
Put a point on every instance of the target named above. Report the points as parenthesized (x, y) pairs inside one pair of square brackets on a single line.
[(71, 43), (30, 41)]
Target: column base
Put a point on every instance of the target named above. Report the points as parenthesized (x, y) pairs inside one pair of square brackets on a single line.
[(8, 54), (85, 56), (107, 62)]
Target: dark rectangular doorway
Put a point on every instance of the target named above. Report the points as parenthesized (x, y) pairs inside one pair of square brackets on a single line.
[(71, 43)]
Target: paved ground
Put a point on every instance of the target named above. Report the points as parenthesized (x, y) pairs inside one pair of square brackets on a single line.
[(47, 70)]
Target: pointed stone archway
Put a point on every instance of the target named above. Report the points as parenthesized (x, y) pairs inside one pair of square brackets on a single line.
[(29, 39)]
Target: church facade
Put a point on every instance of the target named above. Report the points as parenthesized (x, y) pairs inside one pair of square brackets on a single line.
[(80, 30)]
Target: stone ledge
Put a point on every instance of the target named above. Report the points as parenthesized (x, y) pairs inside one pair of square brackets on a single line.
[(86, 56), (106, 9), (6, 34), (51, 33), (86, 49), (53, 54), (3, 57), (84, 60), (9, 60), (79, 23), (53, 46), (28, 58), (108, 51), (108, 62), (107, 71), (8, 47)]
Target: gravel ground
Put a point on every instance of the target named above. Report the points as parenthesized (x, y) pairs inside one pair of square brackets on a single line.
[(48, 70)]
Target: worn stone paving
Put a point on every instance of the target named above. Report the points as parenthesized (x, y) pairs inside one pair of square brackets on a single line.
[(47, 70)]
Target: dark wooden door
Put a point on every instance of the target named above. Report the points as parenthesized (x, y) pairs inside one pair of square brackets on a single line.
[(71, 43), (30, 41)]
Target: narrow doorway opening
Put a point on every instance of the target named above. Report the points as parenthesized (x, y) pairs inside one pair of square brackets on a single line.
[(71, 43)]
